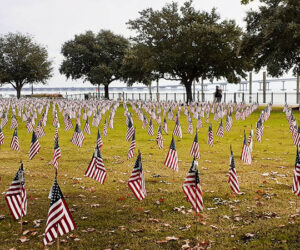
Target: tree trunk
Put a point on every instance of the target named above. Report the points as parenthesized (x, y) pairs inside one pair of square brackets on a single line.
[(106, 95), (188, 89), (18, 92)]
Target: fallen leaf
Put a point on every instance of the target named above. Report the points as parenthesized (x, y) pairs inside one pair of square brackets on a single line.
[(171, 238), (23, 239)]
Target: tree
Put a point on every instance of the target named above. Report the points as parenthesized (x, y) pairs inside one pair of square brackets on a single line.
[(139, 66), (22, 61), (96, 58), (187, 44), (273, 36)]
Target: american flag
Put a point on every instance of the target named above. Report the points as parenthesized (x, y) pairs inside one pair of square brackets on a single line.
[(29, 125), (132, 147), (130, 130), (39, 130), (59, 221), (87, 128), (192, 189), (246, 154), (145, 122), (210, 137), (99, 139), (233, 179), (105, 128), (296, 178), (15, 141), (296, 136), (137, 180), (56, 154), (158, 118), (56, 132), (220, 131), (199, 123), (44, 119), (159, 138), (96, 169), (34, 147), (4, 120), (68, 123), (111, 122), (1, 136), (78, 136), (150, 128), (177, 129), (172, 158), (250, 140), (96, 120), (195, 150), (259, 130), (14, 123), (190, 127), (228, 123), (55, 119), (16, 196), (165, 126)]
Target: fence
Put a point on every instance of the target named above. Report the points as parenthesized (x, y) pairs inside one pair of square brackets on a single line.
[(271, 97)]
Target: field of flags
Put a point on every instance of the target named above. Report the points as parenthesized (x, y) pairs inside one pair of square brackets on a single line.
[(199, 168)]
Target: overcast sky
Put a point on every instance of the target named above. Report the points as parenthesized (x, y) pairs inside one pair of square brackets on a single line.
[(52, 22)]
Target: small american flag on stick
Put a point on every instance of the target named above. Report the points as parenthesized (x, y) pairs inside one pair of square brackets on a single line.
[(132, 147), (34, 147), (137, 180), (210, 136), (159, 138), (195, 150), (220, 131), (172, 158), (15, 141), (87, 128), (59, 221), (96, 169), (233, 179), (1, 136), (130, 130), (192, 189), (246, 154), (177, 129), (105, 128), (165, 126), (228, 122), (56, 154), (16, 196), (150, 128), (78, 136), (14, 123), (99, 139), (39, 130), (296, 178)]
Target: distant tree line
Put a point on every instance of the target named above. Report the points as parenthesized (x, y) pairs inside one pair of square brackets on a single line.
[(175, 43)]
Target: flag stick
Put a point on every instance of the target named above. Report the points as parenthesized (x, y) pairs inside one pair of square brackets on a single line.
[(57, 242), (21, 221)]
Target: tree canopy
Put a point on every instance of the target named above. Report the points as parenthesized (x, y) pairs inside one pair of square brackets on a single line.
[(139, 65), (273, 36), (187, 44), (96, 58), (22, 61)]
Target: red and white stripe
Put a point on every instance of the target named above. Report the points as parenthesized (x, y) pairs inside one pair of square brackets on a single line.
[(136, 181), (96, 169)]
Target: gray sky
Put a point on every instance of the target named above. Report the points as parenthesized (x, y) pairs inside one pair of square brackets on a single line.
[(52, 22)]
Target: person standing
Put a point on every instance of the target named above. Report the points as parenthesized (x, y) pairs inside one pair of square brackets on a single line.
[(218, 94)]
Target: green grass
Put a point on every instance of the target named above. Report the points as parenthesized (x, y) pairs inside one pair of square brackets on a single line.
[(119, 221)]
